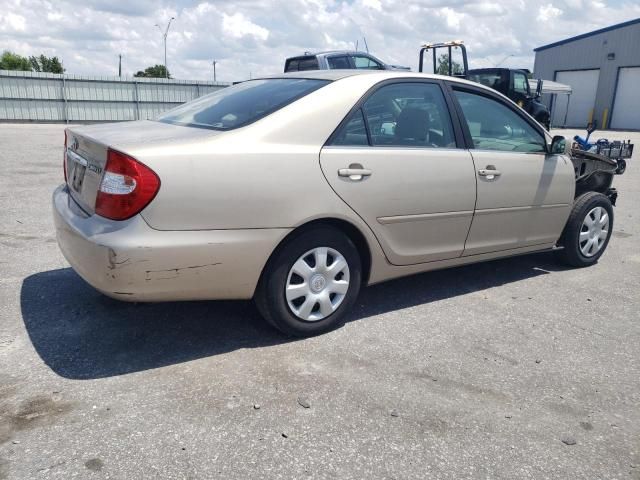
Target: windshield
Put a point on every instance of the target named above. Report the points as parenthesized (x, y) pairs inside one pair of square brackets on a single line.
[(241, 104)]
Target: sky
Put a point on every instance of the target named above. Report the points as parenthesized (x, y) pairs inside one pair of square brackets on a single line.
[(253, 38)]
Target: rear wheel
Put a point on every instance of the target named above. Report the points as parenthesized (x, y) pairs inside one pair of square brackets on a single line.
[(588, 230), (310, 282)]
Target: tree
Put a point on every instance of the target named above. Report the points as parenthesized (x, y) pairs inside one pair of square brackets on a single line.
[(443, 66), (13, 61), (157, 71), (46, 64)]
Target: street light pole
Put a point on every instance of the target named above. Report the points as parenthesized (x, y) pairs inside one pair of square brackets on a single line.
[(504, 59), (164, 36), (214, 63)]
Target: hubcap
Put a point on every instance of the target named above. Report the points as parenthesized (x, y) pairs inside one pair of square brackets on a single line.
[(594, 231), (317, 284)]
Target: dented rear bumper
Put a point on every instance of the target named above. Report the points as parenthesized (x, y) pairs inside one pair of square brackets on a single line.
[(131, 261)]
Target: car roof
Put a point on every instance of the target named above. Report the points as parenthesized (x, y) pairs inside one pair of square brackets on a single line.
[(334, 75), (331, 52), (343, 52), (321, 74)]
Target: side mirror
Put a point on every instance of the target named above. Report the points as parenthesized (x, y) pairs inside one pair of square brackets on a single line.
[(388, 129), (559, 145)]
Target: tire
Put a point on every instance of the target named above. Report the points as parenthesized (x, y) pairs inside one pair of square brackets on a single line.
[(333, 286), (578, 237)]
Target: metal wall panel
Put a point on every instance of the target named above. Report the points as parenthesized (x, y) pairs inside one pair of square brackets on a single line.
[(47, 97), (607, 51)]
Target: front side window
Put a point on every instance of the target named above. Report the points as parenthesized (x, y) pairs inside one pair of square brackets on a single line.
[(520, 83), (241, 104), (366, 63), (494, 126), (341, 62)]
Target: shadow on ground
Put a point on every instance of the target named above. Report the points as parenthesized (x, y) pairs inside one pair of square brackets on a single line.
[(81, 334)]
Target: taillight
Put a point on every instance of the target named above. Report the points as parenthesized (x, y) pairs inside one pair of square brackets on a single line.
[(64, 157), (127, 187)]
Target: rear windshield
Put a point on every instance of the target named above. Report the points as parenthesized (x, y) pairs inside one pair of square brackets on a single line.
[(494, 80), (241, 104), (300, 64)]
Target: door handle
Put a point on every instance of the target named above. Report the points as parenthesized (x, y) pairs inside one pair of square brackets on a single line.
[(490, 172), (354, 172)]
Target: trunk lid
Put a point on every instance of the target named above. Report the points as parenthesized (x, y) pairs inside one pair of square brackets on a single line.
[(87, 146)]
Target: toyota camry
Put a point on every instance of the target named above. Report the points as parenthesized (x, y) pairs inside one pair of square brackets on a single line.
[(297, 190)]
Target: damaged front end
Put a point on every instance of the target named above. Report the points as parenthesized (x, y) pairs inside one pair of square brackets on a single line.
[(594, 173)]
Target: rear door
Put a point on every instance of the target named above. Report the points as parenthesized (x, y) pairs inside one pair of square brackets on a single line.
[(524, 194), (339, 62), (396, 162)]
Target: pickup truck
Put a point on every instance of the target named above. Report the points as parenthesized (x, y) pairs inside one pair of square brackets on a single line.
[(337, 60)]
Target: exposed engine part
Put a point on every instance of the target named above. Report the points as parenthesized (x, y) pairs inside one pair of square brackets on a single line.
[(594, 173)]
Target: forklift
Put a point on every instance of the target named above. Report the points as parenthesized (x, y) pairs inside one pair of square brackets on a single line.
[(513, 83)]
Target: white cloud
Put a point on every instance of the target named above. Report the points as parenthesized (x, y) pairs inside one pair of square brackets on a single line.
[(375, 4), (452, 17), (255, 36), (238, 26), (11, 21), (548, 12)]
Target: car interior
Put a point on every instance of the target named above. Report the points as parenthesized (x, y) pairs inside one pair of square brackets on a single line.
[(494, 126), (401, 115)]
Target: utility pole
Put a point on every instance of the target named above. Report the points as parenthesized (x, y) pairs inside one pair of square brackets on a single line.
[(120, 65), (214, 63), (164, 36)]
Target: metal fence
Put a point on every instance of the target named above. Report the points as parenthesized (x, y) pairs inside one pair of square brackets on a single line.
[(49, 97)]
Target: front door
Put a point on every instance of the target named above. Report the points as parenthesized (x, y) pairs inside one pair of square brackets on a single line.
[(394, 161), (524, 193)]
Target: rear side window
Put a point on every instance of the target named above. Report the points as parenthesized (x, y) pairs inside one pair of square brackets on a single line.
[(411, 114), (338, 62), (241, 104), (495, 126), (354, 132)]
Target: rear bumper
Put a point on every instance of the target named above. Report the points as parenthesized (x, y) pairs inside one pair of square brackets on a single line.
[(131, 261)]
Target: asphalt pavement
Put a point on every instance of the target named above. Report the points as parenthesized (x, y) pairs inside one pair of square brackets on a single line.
[(514, 369)]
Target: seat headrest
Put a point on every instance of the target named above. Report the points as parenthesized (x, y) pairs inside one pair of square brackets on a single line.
[(413, 123)]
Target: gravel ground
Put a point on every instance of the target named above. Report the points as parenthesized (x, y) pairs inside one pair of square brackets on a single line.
[(517, 368)]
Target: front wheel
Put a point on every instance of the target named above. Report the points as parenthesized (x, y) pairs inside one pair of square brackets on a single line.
[(587, 232), (310, 283)]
